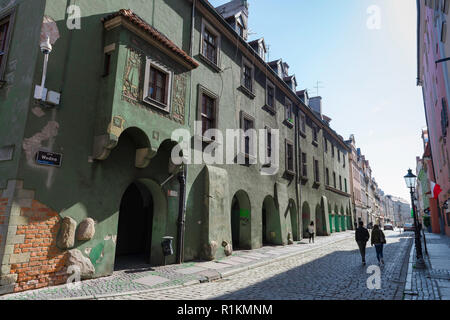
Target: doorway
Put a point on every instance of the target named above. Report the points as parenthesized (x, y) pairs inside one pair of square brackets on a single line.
[(134, 235)]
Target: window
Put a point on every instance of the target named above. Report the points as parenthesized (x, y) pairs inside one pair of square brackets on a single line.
[(302, 123), (208, 112), (289, 156), (316, 171), (334, 179), (247, 75), (444, 117), (444, 31), (314, 134), (345, 184), (207, 109), (326, 144), (248, 140), (327, 177), (270, 95), (332, 151), (339, 155), (210, 45), (5, 37), (304, 165), (157, 88), (268, 143), (289, 112), (340, 183), (343, 159)]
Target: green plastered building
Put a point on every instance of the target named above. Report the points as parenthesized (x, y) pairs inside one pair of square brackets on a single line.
[(86, 173)]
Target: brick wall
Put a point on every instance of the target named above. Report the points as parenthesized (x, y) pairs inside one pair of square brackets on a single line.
[(35, 259), (3, 204)]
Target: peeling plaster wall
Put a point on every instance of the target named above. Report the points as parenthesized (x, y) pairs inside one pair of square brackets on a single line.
[(15, 96)]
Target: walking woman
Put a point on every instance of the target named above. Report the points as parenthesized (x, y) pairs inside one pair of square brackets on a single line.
[(311, 232), (379, 240)]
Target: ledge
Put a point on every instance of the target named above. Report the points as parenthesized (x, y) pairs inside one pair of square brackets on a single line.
[(269, 109), (316, 184), (250, 94), (315, 144), (337, 191), (302, 134), (288, 123), (211, 64)]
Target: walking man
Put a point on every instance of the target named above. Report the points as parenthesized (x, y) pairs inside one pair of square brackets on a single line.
[(311, 232), (362, 236)]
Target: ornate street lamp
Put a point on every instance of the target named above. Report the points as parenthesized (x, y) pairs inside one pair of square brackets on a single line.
[(410, 180)]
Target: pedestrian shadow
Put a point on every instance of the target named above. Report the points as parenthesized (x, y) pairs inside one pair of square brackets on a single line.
[(336, 276)]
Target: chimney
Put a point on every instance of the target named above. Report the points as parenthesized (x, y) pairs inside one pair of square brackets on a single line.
[(315, 103)]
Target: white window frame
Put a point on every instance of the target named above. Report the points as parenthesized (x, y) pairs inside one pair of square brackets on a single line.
[(211, 29), (152, 63), (11, 15)]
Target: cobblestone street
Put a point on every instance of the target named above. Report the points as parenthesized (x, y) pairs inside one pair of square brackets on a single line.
[(330, 272)]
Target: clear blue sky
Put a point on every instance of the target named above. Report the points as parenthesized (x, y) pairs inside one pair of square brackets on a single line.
[(369, 76)]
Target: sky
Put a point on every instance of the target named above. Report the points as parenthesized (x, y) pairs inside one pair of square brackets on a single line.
[(364, 52)]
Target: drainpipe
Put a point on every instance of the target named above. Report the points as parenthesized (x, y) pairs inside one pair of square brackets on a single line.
[(181, 215), (191, 53), (297, 193)]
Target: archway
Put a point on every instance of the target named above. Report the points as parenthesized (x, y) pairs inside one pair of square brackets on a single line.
[(271, 224), (343, 224), (321, 216), (337, 222), (294, 220), (330, 217), (306, 217), (241, 221), (135, 227)]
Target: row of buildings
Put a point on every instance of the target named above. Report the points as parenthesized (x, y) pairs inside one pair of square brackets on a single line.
[(433, 167), (370, 204), (87, 170)]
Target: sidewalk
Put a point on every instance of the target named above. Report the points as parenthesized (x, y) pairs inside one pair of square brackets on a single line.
[(432, 283), (166, 277)]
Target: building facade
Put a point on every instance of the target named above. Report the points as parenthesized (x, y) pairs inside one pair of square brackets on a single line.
[(87, 171), (433, 76)]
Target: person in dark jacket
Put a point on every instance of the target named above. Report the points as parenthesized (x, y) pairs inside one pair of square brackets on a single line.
[(378, 239), (362, 236)]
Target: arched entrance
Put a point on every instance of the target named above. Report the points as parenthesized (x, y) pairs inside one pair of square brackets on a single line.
[(241, 221), (306, 218), (337, 222), (135, 226), (321, 224), (330, 217), (271, 224), (343, 224)]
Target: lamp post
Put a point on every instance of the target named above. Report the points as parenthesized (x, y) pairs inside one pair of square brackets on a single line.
[(410, 180)]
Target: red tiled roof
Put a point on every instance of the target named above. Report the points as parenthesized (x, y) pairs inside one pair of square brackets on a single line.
[(155, 34)]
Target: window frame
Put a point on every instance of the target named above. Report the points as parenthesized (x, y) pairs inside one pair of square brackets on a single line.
[(288, 105), (302, 124), (288, 143), (169, 82), (247, 63), (271, 85), (201, 92), (9, 14), (304, 165), (316, 165), (245, 116), (206, 25)]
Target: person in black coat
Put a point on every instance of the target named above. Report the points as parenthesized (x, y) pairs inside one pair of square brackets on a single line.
[(361, 237)]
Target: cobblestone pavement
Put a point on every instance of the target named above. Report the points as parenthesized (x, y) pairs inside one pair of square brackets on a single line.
[(142, 278), (432, 283), (333, 271)]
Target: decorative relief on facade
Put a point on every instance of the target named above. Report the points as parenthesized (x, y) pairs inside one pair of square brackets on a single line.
[(133, 78), (179, 97)]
